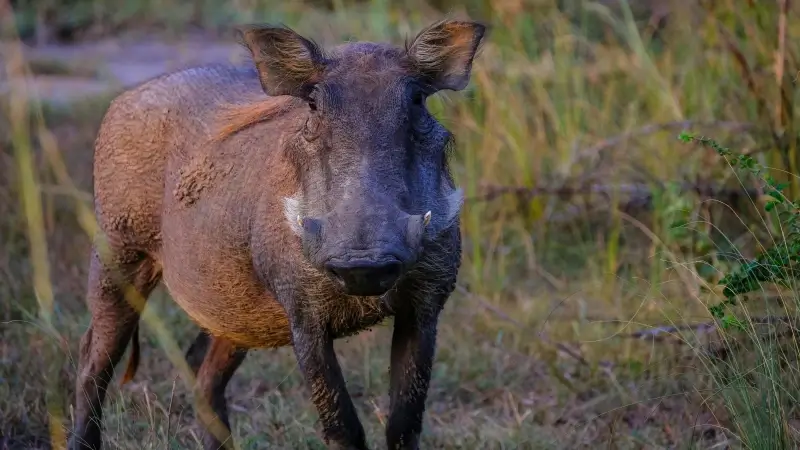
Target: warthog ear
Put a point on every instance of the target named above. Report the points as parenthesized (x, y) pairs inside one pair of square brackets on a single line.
[(287, 63), (444, 51)]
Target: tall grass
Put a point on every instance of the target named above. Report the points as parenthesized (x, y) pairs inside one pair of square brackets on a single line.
[(32, 207), (23, 114), (759, 386), (584, 222)]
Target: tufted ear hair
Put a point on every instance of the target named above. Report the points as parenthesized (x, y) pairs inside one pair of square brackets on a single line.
[(287, 63), (443, 52)]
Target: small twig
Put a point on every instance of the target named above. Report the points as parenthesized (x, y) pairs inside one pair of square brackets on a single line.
[(638, 191), (780, 59), (378, 413), (747, 74), (486, 304), (703, 328), (657, 127), (657, 332), (169, 414)]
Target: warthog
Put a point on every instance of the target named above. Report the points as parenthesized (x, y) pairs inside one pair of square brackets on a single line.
[(291, 201)]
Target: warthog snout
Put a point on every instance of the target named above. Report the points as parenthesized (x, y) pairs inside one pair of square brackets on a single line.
[(365, 276), (365, 258)]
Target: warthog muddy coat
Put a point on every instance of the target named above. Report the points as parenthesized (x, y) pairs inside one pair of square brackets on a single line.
[(296, 199)]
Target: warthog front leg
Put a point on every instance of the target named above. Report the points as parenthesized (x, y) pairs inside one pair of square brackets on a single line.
[(313, 348), (413, 347)]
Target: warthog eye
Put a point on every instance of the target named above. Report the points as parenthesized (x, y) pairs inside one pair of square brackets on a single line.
[(311, 99), (421, 121)]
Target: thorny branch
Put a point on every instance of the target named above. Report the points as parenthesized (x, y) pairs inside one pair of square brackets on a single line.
[(658, 127), (640, 194)]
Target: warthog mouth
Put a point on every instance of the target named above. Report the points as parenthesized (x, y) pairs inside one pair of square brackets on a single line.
[(365, 277)]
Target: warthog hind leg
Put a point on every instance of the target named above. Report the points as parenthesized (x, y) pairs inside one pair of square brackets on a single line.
[(220, 359), (114, 319)]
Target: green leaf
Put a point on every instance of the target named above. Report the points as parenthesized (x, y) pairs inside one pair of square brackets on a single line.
[(730, 321), (718, 311)]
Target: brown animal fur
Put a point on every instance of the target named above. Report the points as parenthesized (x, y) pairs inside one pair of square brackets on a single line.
[(237, 117), (194, 175)]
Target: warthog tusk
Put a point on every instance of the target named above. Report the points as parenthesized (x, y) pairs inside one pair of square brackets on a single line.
[(300, 220), (426, 219)]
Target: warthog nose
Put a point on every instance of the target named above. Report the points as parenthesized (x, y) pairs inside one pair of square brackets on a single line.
[(365, 277)]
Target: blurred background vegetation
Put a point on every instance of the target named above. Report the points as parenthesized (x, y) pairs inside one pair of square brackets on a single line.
[(595, 240)]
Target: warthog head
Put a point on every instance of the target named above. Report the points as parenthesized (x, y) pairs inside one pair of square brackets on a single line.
[(370, 157)]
